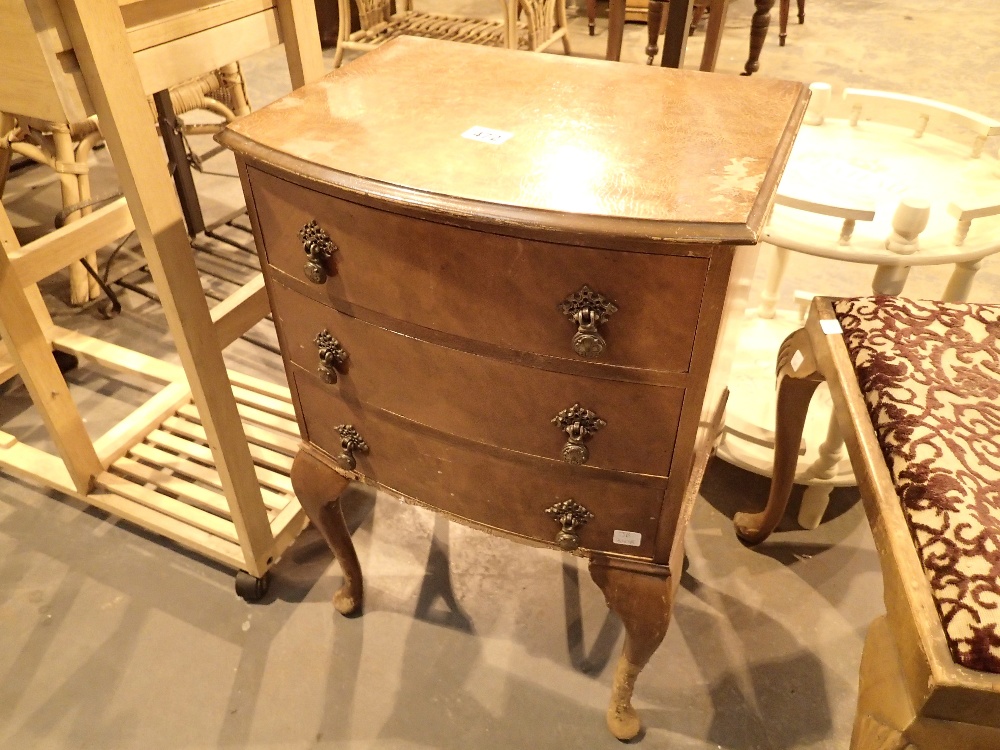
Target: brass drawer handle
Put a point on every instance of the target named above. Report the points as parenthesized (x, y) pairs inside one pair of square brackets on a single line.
[(588, 309), (578, 424), (570, 516), (350, 441), (319, 248), (332, 356)]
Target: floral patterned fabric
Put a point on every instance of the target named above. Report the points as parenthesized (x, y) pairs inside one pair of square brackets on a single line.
[(930, 374)]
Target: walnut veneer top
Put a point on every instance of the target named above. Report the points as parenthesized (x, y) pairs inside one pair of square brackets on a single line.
[(682, 155)]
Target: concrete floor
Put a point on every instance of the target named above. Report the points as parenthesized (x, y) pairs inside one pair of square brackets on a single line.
[(115, 638)]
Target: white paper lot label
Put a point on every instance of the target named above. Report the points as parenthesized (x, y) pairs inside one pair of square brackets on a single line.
[(830, 326), (487, 135), (628, 538)]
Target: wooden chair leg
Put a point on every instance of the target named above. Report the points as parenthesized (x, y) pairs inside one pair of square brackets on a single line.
[(783, 21), (65, 159), (758, 33), (802, 11), (676, 33), (616, 29), (718, 9), (82, 157), (591, 16), (318, 488), (797, 380), (562, 22), (655, 21), (300, 33), (643, 602)]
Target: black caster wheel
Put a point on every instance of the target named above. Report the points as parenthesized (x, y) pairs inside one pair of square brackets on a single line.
[(67, 362), (251, 588)]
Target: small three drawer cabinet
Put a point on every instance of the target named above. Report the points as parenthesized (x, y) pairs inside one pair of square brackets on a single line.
[(506, 286)]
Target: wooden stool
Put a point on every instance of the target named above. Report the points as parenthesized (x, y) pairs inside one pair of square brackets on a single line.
[(915, 387)]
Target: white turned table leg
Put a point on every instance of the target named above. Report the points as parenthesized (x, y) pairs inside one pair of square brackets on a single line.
[(815, 501), (908, 222), (816, 498), (960, 284), (769, 294), (818, 102), (890, 279)]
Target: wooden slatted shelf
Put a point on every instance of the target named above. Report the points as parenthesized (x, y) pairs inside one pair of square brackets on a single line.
[(162, 474), (68, 60)]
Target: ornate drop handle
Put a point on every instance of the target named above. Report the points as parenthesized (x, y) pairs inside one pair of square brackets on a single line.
[(332, 356), (570, 516), (319, 248), (588, 309), (578, 424), (350, 441)]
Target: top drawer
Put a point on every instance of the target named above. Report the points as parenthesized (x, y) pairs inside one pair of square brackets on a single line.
[(488, 287)]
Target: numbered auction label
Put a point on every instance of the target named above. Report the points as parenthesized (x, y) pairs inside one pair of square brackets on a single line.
[(487, 135), (630, 538)]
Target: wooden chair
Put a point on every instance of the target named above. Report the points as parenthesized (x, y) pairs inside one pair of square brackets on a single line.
[(66, 148), (657, 24), (532, 25), (915, 387), (717, 11), (759, 25), (866, 144)]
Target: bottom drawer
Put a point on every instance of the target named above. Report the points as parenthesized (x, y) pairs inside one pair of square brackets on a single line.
[(483, 484)]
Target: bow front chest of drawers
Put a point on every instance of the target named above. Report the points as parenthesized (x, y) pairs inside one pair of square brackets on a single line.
[(506, 286)]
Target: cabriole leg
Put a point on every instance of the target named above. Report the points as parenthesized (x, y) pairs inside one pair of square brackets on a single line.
[(318, 488), (798, 378), (643, 602)]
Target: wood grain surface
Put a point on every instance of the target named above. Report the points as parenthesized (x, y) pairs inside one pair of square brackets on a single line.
[(677, 149), (493, 488), (480, 398), (487, 286)]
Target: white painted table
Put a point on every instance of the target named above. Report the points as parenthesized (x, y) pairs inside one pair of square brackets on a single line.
[(882, 179)]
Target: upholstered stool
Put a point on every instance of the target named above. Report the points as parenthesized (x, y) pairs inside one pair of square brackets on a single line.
[(916, 390)]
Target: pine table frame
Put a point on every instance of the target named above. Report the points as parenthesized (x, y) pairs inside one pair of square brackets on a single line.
[(65, 60)]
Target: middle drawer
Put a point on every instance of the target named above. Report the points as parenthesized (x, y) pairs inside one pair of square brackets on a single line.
[(483, 399)]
